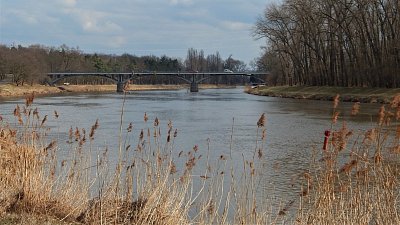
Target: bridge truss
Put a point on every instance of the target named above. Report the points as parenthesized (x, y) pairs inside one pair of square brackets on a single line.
[(121, 78)]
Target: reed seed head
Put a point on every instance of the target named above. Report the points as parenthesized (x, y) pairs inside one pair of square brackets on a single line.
[(190, 163), (130, 127), (17, 111), (93, 129), (156, 122), (50, 146), (126, 86), (381, 115), (141, 135), (44, 120), (29, 99), (36, 113), (335, 117), (370, 135), (336, 101), (77, 134), (346, 168), (395, 103), (355, 109), (173, 169), (261, 121)]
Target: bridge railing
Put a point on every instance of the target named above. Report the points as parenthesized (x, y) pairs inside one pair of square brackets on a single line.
[(123, 77)]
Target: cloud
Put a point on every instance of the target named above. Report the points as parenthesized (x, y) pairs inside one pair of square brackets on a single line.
[(117, 41), (94, 21), (195, 13), (177, 2), (69, 3), (25, 17), (156, 27), (236, 26)]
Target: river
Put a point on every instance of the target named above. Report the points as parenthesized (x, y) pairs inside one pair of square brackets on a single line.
[(220, 117)]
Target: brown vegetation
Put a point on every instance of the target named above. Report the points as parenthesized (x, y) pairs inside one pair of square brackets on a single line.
[(362, 187), (363, 95), (10, 90), (355, 181)]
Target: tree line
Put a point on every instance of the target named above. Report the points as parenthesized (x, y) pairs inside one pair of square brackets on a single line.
[(29, 65), (350, 43)]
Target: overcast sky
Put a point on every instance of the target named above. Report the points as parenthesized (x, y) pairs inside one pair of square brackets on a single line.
[(139, 27)]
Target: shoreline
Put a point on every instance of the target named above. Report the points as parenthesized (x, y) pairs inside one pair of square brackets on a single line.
[(13, 91), (363, 95), (347, 94)]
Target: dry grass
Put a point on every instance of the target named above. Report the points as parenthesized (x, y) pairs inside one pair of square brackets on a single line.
[(349, 94), (354, 181), (10, 90)]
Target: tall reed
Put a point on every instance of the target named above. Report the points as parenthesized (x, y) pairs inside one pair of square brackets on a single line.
[(356, 179)]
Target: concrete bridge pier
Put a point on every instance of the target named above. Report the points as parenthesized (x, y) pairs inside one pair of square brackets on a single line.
[(120, 87), (120, 83), (194, 87)]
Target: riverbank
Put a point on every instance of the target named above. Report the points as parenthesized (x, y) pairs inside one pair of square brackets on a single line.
[(10, 90), (353, 94)]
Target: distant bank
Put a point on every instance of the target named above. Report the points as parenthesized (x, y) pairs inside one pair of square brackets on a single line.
[(10, 90), (348, 94)]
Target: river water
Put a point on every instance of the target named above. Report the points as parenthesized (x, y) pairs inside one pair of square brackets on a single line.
[(219, 118)]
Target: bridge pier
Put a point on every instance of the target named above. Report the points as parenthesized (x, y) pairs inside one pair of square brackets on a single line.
[(194, 87), (120, 83), (120, 87)]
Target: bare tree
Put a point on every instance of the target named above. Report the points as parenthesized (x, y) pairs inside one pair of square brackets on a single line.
[(333, 42)]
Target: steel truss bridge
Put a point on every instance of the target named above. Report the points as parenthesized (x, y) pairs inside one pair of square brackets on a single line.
[(121, 78)]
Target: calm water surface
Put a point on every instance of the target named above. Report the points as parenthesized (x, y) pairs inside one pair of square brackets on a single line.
[(294, 127)]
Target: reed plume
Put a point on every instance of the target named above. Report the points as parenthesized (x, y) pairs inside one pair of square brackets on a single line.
[(93, 129), (29, 99), (355, 109), (336, 101), (261, 121)]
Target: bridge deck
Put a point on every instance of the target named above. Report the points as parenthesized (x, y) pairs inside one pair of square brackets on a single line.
[(121, 78), (160, 73)]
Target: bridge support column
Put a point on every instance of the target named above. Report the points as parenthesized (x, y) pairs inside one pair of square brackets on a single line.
[(120, 87), (194, 87), (120, 83)]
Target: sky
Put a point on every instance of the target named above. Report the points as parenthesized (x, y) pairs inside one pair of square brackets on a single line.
[(137, 27)]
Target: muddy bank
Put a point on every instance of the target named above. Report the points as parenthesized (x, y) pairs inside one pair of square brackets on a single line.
[(364, 95)]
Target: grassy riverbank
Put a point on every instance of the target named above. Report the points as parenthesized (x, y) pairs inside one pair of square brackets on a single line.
[(366, 95), (10, 90)]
